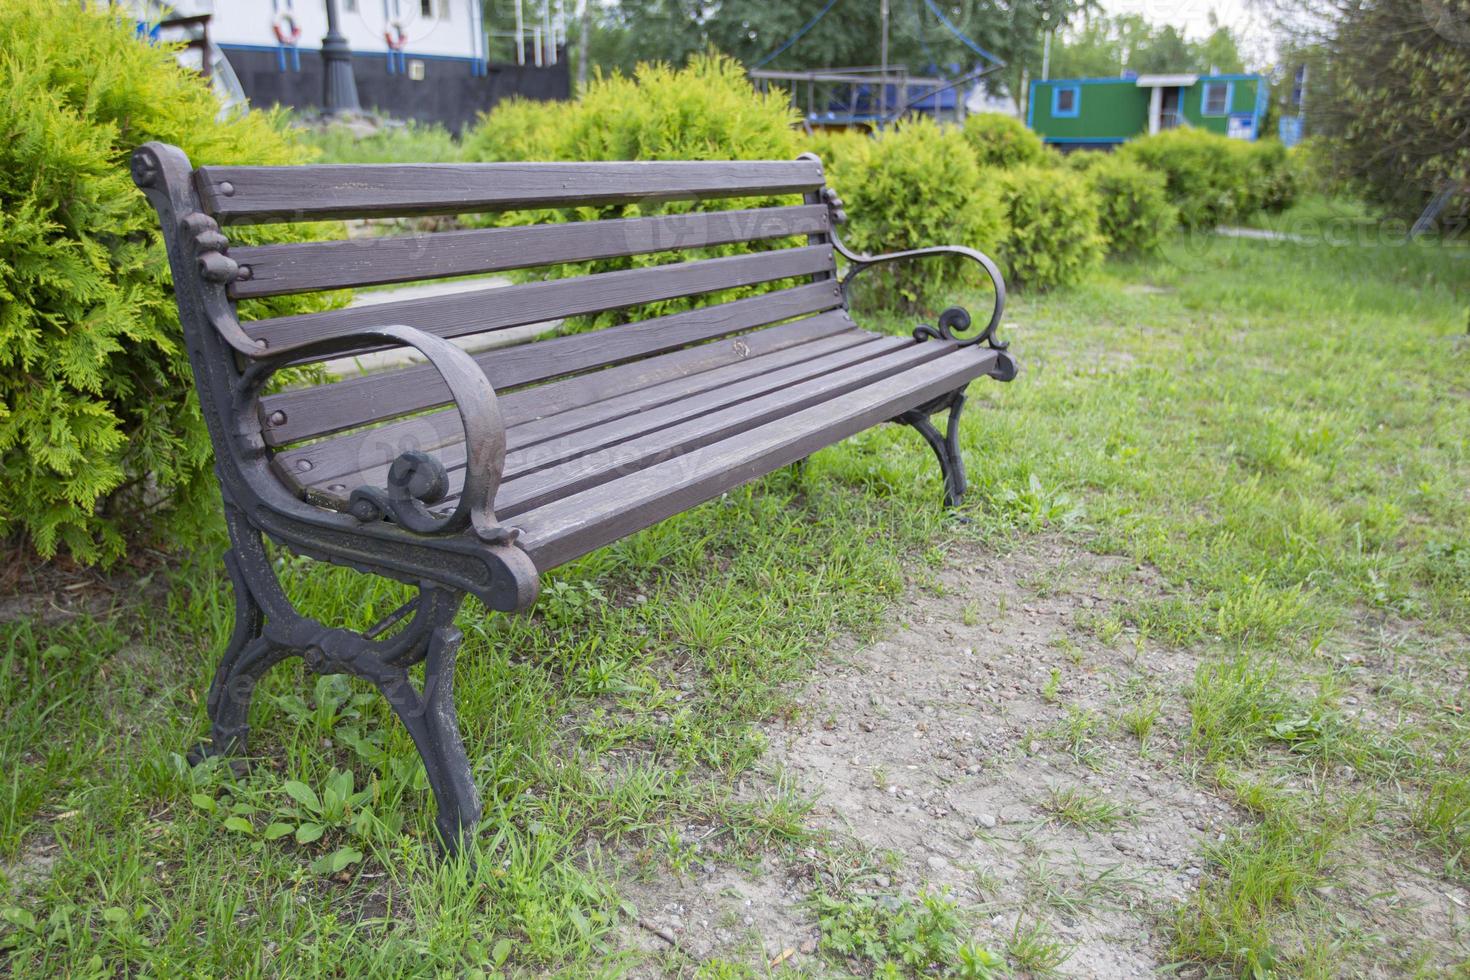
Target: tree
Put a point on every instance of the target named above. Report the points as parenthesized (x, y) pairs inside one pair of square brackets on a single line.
[(1395, 94), (1104, 47), (628, 31), (1388, 94)]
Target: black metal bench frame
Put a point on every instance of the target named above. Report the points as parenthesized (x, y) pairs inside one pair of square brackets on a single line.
[(402, 529)]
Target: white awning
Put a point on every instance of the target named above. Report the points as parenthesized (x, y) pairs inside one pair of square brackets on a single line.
[(1166, 81)]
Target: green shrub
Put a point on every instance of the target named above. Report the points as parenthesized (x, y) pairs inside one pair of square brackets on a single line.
[(409, 142), (1134, 213), (1274, 179), (834, 145), (918, 185), (1207, 174), (707, 110), (101, 440), (1001, 141), (1052, 215), (519, 129)]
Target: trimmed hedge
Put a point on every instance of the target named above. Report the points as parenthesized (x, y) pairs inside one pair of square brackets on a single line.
[(1134, 213), (1003, 141), (101, 440), (1214, 179), (1053, 237), (1205, 176), (916, 185)]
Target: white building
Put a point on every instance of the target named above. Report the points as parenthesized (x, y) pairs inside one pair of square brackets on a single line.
[(416, 28), (416, 59)]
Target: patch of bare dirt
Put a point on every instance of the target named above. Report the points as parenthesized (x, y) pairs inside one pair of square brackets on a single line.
[(947, 745)]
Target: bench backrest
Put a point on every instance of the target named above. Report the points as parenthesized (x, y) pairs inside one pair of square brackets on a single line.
[(787, 222)]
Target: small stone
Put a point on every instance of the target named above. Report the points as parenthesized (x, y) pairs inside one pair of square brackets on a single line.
[(640, 598), (937, 863)]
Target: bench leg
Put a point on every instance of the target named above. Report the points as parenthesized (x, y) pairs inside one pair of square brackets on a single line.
[(268, 629), (946, 446)]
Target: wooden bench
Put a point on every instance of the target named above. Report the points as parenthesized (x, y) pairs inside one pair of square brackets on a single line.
[(476, 473)]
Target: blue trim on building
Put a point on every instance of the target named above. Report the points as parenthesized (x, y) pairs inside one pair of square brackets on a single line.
[(1134, 81), (1084, 139), (1205, 84), (1056, 100), (1031, 104)]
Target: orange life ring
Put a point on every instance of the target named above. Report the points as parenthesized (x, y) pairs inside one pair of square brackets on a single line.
[(288, 32), (395, 35)]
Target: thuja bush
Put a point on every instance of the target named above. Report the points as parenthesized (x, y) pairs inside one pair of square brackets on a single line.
[(101, 440), (1052, 216), (918, 185), (519, 129), (836, 147), (707, 110), (1003, 141), (1134, 213)]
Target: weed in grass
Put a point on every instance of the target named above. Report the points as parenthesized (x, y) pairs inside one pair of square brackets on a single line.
[(1442, 816), (898, 937), (1240, 704), (1051, 690), (1083, 809), (1075, 731), (1139, 719), (1242, 914), (1074, 892), (1033, 948)]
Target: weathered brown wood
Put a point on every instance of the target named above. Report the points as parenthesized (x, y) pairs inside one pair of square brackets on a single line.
[(544, 442), (329, 461), (575, 524), (296, 267), (307, 413), (309, 193), (542, 486), (485, 310)]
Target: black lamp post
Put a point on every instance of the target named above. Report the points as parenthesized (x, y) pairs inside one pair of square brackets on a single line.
[(339, 86)]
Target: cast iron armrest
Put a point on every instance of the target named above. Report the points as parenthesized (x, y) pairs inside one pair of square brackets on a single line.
[(953, 319), (417, 479)]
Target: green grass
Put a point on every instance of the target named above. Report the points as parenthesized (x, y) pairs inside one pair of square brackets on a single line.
[(1083, 808), (1280, 431)]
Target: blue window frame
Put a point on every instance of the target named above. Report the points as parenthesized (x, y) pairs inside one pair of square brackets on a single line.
[(1066, 101), (1215, 98)]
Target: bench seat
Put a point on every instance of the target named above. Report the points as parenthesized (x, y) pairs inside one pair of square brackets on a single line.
[(707, 423)]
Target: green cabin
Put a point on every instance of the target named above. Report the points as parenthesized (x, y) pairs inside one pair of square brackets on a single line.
[(1093, 113)]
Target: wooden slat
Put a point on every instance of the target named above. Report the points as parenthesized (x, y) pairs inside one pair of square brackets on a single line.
[(535, 302), (575, 524), (311, 412), (337, 459), (541, 443), (309, 193), (543, 486), (297, 267)]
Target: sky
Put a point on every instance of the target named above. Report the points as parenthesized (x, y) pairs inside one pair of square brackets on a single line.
[(1193, 17)]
